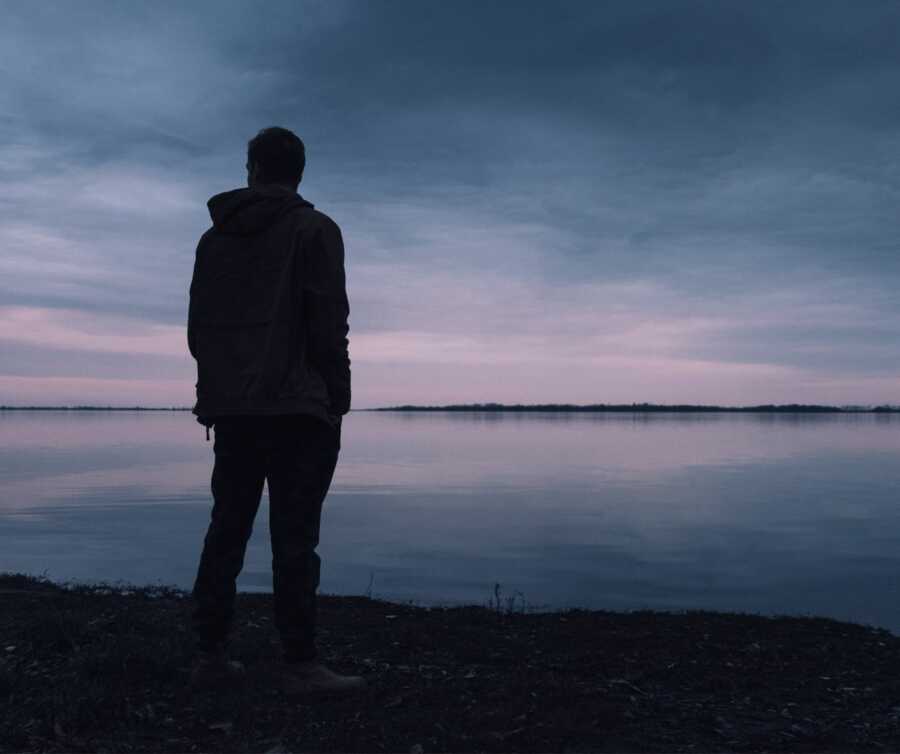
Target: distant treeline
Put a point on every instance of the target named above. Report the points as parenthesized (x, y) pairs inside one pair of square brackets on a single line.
[(649, 407), (790, 408), (92, 408)]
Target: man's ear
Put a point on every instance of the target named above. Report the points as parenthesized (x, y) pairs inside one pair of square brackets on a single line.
[(253, 173)]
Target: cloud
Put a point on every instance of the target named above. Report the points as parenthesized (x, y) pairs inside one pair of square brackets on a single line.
[(655, 191), (80, 330)]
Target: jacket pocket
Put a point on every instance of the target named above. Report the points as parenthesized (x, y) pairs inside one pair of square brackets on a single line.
[(230, 358)]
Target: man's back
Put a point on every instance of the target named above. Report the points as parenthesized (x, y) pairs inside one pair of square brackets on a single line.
[(268, 309)]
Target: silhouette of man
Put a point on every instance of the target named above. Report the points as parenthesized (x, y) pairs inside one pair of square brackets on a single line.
[(267, 325)]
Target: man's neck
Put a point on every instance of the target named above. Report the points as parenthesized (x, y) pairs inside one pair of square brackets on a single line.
[(275, 186)]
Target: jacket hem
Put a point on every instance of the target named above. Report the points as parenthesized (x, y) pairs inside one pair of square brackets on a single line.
[(207, 414)]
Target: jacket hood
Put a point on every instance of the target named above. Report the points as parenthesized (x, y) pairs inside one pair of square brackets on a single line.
[(246, 211)]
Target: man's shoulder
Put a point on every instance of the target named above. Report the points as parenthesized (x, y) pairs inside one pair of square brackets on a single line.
[(319, 231), (318, 220), (205, 238)]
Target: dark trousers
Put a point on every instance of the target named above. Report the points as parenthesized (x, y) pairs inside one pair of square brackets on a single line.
[(297, 454)]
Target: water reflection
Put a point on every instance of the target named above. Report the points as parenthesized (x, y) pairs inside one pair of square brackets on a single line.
[(757, 512)]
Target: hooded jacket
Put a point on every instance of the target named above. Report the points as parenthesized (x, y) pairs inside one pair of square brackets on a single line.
[(267, 319)]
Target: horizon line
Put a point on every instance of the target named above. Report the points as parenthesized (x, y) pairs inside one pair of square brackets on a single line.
[(519, 407)]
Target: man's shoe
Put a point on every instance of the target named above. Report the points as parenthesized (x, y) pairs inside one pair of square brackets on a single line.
[(212, 667), (313, 678)]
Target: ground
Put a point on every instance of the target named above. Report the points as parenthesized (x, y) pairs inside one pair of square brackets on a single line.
[(104, 668)]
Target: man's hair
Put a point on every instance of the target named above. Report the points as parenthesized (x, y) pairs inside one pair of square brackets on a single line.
[(280, 154)]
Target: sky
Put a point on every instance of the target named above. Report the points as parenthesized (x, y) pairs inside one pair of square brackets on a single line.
[(580, 202)]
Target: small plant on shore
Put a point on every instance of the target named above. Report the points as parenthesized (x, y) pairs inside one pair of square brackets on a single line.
[(506, 605)]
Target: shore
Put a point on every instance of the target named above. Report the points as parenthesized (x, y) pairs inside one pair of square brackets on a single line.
[(99, 668)]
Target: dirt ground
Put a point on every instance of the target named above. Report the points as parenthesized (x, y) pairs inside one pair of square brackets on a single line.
[(106, 669)]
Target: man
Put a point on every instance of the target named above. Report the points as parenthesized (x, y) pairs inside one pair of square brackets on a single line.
[(267, 325)]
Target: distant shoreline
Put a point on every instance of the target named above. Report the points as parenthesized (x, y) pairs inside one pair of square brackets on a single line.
[(790, 408), (91, 408), (649, 408)]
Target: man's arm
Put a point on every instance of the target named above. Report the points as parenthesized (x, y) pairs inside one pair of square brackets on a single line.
[(192, 298), (326, 311)]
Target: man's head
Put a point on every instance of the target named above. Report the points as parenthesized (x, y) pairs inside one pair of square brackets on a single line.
[(275, 155)]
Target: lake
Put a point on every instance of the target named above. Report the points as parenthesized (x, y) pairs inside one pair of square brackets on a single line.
[(766, 513)]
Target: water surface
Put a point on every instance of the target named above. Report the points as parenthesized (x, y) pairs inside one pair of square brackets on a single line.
[(769, 513)]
